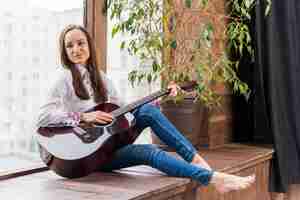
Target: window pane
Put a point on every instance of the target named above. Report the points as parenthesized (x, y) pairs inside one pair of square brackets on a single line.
[(29, 32)]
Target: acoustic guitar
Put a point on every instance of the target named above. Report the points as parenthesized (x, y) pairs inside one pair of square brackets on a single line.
[(80, 150)]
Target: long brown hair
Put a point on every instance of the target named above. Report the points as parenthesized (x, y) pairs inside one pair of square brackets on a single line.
[(92, 66)]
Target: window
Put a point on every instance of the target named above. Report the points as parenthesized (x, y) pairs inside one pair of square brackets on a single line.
[(28, 24), (36, 60), (7, 28), (35, 44), (24, 44), (5, 43), (24, 28), (9, 76)]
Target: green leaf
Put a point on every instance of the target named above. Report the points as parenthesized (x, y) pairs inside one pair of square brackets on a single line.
[(210, 27), (248, 3), (115, 30), (129, 23), (173, 44), (204, 3), (140, 77), (268, 7), (207, 33), (155, 66), (188, 3), (248, 37), (122, 45), (241, 47), (132, 76), (149, 78), (141, 13)]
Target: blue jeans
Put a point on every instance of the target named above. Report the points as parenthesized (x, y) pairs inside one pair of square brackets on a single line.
[(148, 154)]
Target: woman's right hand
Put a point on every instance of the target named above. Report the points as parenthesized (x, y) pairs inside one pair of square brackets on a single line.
[(96, 117)]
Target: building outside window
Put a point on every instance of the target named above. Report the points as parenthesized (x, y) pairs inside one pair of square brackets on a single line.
[(25, 25)]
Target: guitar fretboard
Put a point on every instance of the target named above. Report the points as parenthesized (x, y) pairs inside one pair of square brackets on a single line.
[(138, 103)]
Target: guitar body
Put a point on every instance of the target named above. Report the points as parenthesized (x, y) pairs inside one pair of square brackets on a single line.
[(79, 151)]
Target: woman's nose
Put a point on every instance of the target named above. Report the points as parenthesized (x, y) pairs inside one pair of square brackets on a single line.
[(76, 49)]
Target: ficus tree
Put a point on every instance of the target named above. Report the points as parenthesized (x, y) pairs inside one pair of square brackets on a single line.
[(210, 58)]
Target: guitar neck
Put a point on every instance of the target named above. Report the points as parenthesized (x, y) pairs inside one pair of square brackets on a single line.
[(140, 102), (147, 99)]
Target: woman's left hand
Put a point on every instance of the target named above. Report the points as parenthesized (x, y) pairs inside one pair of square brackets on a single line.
[(174, 88)]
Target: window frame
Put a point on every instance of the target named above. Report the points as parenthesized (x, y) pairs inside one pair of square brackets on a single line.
[(95, 21)]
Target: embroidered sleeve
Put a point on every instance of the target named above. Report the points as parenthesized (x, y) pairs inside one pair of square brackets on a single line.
[(75, 116), (53, 112)]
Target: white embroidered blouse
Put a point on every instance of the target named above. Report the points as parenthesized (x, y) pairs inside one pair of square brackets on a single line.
[(63, 107)]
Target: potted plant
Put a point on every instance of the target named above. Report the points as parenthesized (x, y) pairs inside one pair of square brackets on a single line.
[(210, 54)]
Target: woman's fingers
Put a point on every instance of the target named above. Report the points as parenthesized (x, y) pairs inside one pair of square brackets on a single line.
[(103, 116), (97, 117), (103, 119), (100, 121), (174, 88)]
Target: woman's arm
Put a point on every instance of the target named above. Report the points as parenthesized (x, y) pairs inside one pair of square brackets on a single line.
[(53, 112)]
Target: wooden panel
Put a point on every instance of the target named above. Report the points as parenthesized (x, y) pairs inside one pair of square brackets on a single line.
[(97, 26), (258, 191)]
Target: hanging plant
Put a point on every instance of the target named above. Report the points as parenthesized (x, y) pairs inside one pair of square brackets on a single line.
[(210, 58)]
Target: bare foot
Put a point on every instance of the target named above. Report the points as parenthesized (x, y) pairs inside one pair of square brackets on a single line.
[(199, 161), (227, 182)]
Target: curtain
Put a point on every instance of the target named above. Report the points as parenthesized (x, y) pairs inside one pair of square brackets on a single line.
[(272, 114)]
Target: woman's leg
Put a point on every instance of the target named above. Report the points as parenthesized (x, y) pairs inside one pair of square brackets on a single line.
[(148, 154), (150, 116)]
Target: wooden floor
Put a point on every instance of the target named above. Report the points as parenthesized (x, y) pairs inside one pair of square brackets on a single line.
[(145, 183)]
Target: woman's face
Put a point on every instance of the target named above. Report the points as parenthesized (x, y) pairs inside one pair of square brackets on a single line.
[(77, 47)]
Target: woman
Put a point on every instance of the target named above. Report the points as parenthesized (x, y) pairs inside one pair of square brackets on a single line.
[(82, 86)]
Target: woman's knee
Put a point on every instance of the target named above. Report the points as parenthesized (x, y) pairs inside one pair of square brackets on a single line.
[(149, 110), (146, 115)]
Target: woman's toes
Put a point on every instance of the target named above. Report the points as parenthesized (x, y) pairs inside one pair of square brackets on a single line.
[(226, 182)]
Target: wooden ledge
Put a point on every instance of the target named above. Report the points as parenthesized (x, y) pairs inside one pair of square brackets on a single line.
[(236, 157), (135, 183)]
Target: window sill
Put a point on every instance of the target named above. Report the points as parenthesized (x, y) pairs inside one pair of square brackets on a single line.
[(22, 172), (14, 165)]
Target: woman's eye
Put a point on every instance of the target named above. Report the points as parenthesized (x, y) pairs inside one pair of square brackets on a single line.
[(69, 46), (81, 43)]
